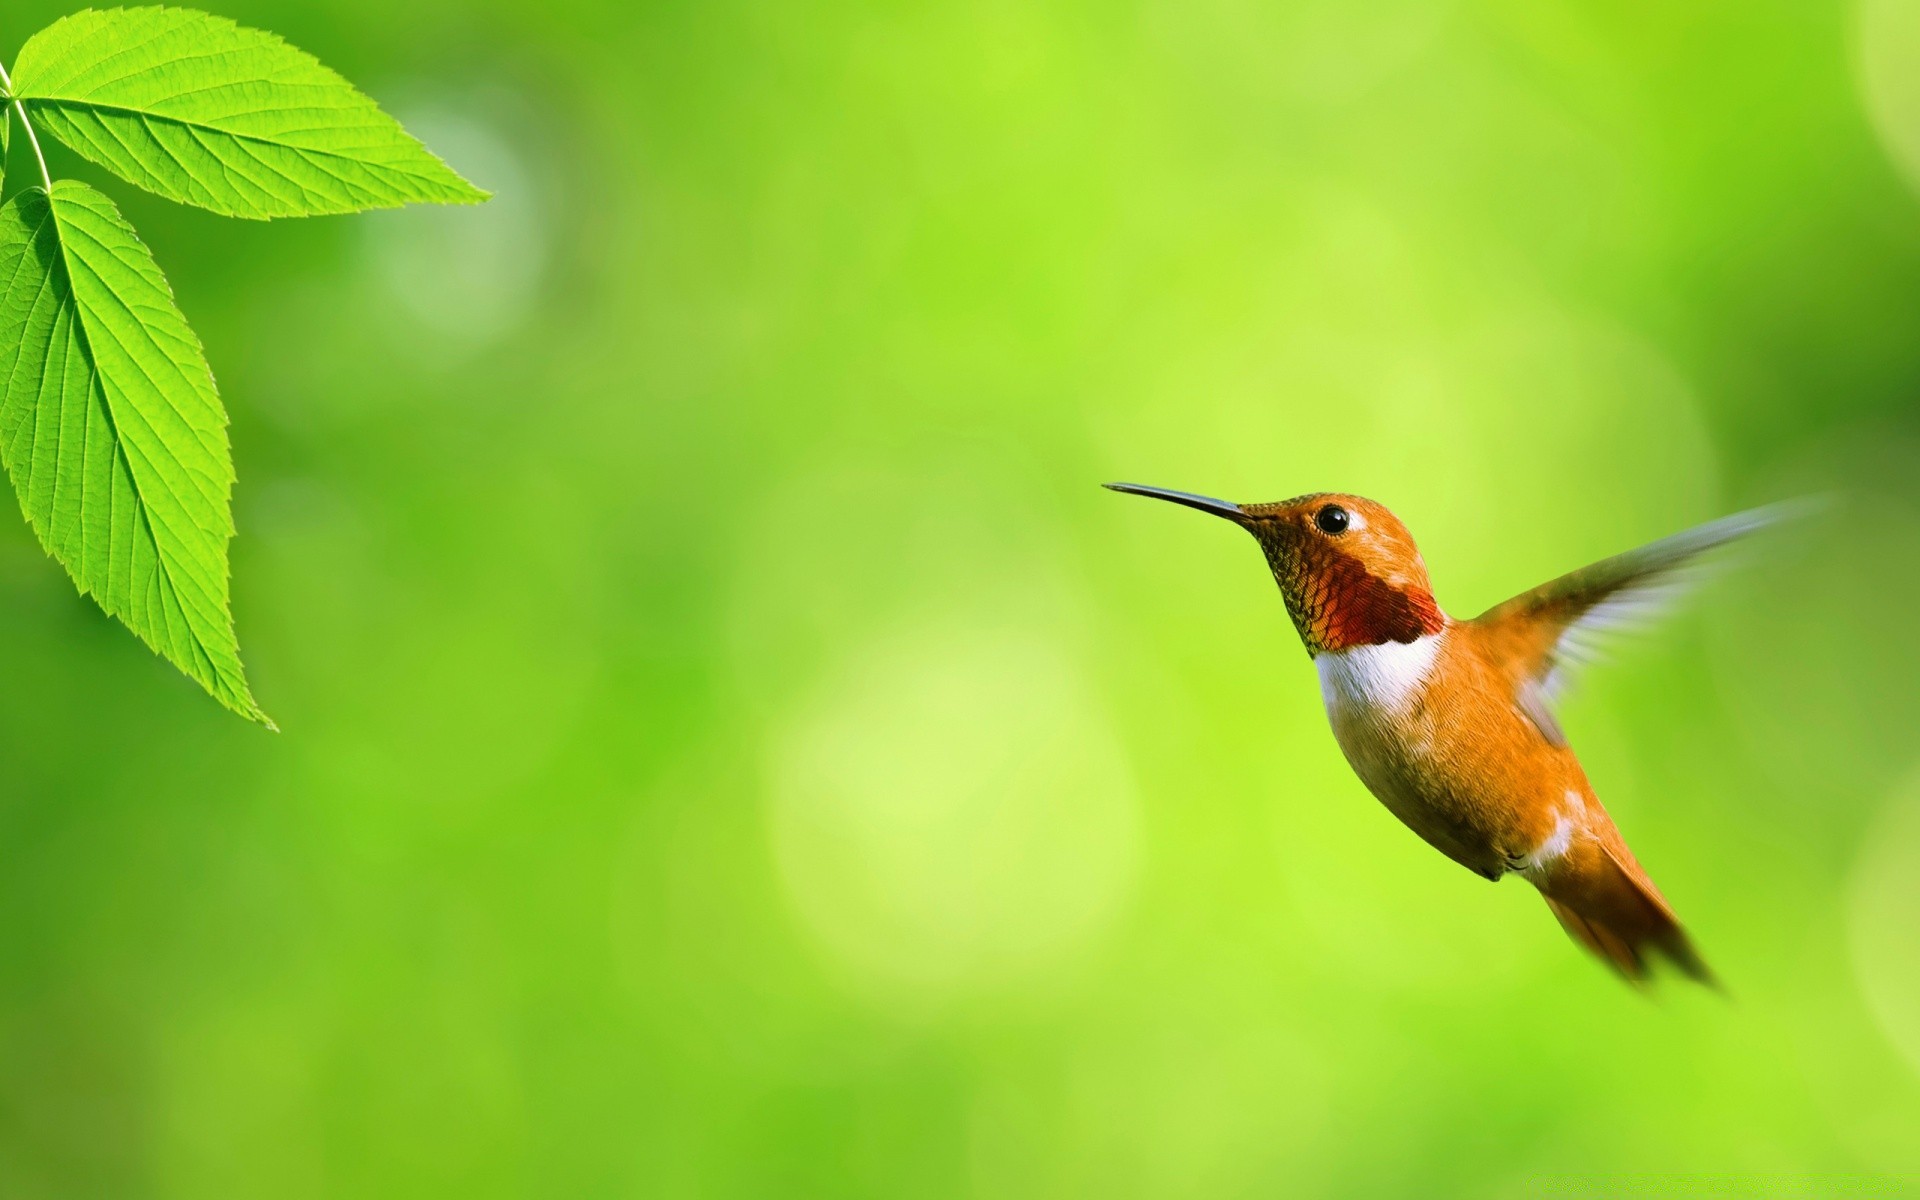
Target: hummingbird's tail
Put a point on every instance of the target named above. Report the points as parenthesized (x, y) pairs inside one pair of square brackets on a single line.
[(1608, 904)]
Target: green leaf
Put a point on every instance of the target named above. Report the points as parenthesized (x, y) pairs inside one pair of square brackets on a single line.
[(232, 119), (112, 430), (6, 130)]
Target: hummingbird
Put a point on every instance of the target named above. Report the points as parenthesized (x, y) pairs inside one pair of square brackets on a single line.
[(1450, 723)]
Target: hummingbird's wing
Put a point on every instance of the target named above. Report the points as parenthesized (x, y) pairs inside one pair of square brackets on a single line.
[(1549, 632)]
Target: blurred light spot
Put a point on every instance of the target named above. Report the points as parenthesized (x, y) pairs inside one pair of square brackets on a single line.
[(1884, 915), (1339, 50), (1888, 67), (469, 273), (1322, 51), (952, 811)]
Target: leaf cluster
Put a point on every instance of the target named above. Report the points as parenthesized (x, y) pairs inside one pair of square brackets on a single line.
[(111, 428)]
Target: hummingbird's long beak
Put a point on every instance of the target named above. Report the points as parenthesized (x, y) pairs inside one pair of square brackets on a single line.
[(1206, 504)]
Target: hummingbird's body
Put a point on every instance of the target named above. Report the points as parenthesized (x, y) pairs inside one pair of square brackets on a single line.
[(1450, 724), (1432, 730)]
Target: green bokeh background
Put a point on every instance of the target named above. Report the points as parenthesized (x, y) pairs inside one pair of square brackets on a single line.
[(732, 748)]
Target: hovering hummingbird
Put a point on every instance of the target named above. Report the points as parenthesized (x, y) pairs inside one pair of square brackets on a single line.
[(1451, 724)]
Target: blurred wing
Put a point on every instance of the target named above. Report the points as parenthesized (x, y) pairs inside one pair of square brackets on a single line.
[(1566, 623)]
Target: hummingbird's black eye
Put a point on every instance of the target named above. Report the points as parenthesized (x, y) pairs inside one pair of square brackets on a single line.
[(1332, 519)]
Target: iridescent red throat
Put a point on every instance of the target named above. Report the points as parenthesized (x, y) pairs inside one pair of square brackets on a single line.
[(1337, 603)]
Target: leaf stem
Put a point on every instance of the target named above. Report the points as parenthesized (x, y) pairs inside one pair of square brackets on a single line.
[(33, 139), (46, 180)]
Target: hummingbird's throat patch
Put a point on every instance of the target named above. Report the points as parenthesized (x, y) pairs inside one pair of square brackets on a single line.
[(1337, 603)]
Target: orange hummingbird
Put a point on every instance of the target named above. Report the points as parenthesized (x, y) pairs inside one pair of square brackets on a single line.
[(1450, 723)]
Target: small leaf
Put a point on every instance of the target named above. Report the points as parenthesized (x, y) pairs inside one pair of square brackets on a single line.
[(6, 131), (232, 119), (112, 430)]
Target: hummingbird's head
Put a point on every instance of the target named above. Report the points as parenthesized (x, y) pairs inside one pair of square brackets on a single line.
[(1347, 567)]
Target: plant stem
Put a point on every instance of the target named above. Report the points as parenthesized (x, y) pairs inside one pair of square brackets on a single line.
[(33, 139)]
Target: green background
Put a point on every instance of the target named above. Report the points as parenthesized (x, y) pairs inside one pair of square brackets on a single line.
[(732, 748)]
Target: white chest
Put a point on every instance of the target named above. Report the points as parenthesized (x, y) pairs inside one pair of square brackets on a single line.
[(1377, 681)]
